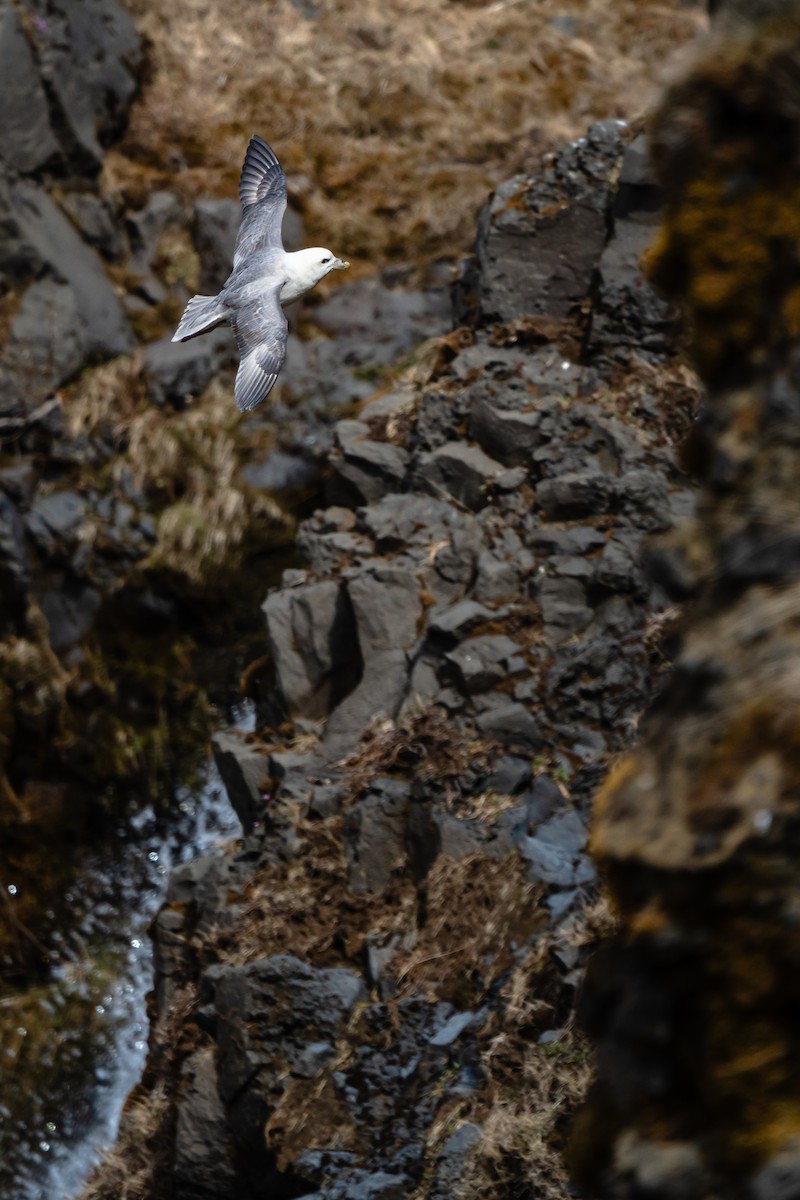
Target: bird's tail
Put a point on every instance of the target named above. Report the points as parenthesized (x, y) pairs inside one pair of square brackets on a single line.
[(202, 313)]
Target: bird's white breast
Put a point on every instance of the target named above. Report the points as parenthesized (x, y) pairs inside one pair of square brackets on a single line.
[(293, 289)]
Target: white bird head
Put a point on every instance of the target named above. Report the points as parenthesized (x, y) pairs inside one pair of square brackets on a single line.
[(324, 261), (305, 268)]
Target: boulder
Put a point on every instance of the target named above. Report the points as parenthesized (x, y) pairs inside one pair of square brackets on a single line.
[(35, 235), (27, 142), (203, 1151), (375, 835), (464, 472), (481, 663), (387, 609), (47, 345), (372, 468), (244, 772), (313, 642), (270, 1011), (90, 56), (540, 241)]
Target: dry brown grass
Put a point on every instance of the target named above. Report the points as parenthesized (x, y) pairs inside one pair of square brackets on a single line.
[(521, 1148), (424, 745), (106, 398), (128, 1169), (477, 910), (533, 1089), (189, 461), (394, 118)]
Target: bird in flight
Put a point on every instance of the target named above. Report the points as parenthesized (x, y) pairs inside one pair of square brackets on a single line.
[(264, 278)]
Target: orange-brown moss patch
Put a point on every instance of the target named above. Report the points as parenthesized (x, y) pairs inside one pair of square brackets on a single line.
[(729, 248)]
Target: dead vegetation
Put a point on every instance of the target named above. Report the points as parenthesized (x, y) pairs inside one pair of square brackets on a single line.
[(394, 120), (130, 1166), (521, 1147), (424, 745)]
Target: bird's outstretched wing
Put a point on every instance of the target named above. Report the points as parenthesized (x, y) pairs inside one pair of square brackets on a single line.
[(262, 191), (261, 331)]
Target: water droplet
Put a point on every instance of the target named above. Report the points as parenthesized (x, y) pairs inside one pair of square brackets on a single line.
[(762, 820), (45, 1146), (153, 856), (12, 889), (51, 1126), (98, 1008), (565, 366), (136, 943), (21, 1031)]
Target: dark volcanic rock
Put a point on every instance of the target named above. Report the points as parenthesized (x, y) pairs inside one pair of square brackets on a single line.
[(176, 371), (47, 344), (373, 469), (146, 226), (95, 222), (90, 56), (313, 640), (70, 613), (244, 772), (27, 142), (216, 224), (282, 1000), (629, 314), (203, 1145), (465, 473), (37, 234), (375, 835), (387, 607), (539, 243)]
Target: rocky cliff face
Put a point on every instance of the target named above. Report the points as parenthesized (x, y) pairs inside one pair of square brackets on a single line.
[(694, 1003), (372, 995)]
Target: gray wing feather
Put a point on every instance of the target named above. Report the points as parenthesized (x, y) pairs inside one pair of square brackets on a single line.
[(262, 192), (261, 331)]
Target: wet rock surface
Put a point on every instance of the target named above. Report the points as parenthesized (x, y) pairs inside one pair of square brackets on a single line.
[(469, 640)]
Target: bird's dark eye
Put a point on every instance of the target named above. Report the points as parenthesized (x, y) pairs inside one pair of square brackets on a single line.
[(328, 259)]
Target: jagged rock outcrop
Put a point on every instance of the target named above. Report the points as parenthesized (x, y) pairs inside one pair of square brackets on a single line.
[(470, 640), (693, 1005)]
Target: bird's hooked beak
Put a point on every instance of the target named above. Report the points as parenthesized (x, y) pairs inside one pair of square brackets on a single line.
[(340, 265)]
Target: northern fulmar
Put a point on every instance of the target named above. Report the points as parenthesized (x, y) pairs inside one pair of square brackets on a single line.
[(264, 277)]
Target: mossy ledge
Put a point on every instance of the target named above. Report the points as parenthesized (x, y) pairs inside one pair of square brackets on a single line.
[(694, 1003)]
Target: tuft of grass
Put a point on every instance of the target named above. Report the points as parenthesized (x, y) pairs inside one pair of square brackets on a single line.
[(187, 463), (105, 399), (424, 745), (520, 1152), (128, 1168)]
